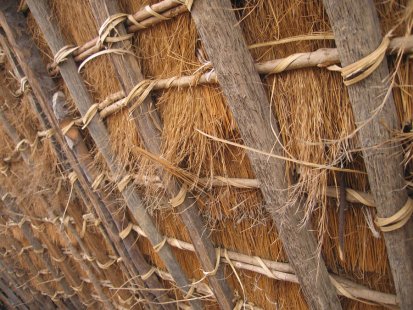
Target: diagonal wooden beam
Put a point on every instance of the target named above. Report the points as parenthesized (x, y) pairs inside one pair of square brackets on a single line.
[(40, 279), (42, 13), (15, 300), (129, 75), (245, 95), (43, 87), (357, 34), (82, 154), (19, 289)]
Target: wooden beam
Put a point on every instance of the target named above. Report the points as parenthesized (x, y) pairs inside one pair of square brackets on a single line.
[(40, 279), (129, 75), (45, 256), (224, 43), (357, 33), (42, 13), (43, 87), (19, 289), (16, 302), (82, 154)]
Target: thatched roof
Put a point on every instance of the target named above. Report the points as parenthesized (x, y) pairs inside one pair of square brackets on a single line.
[(193, 154)]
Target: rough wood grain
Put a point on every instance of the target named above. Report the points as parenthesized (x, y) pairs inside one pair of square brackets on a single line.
[(21, 290), (42, 13), (45, 256), (15, 301), (114, 225), (129, 75), (357, 33), (43, 87), (246, 97), (44, 287)]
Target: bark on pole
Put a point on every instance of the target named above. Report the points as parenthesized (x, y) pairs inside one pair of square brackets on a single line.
[(224, 43), (357, 33), (42, 13), (148, 121)]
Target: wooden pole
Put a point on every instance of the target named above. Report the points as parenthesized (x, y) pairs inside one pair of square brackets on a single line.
[(129, 75), (40, 279), (113, 276), (246, 97), (43, 86), (54, 251), (15, 301), (357, 33), (79, 148), (42, 13), (19, 289)]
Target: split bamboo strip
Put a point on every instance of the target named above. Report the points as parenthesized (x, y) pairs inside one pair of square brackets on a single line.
[(43, 86), (357, 34), (68, 70), (168, 9), (147, 122), (319, 58), (115, 226), (246, 98)]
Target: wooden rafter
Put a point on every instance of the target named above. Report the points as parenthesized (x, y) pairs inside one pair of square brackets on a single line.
[(357, 34), (246, 97), (43, 286), (43, 87), (148, 121), (41, 12)]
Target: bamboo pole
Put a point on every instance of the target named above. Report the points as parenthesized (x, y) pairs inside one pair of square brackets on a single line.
[(129, 75), (44, 87), (75, 140), (357, 34), (41, 12), (245, 95)]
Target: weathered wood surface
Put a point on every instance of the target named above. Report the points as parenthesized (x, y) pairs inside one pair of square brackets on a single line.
[(42, 13), (100, 255), (14, 299), (43, 286), (357, 33), (21, 290), (45, 255), (43, 87), (148, 121), (82, 154), (246, 97)]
